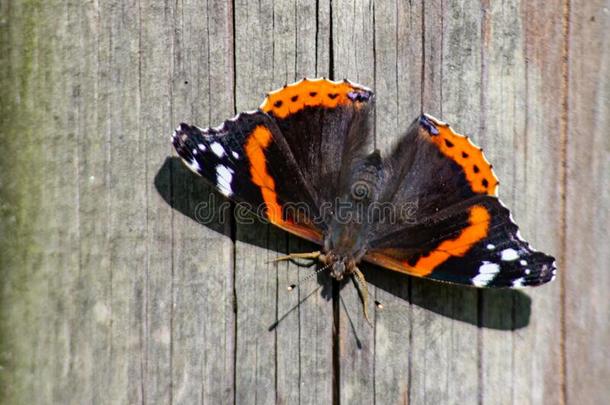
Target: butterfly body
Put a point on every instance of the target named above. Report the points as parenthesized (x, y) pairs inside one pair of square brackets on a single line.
[(304, 161)]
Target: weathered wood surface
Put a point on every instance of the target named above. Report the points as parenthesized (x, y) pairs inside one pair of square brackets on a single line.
[(112, 292)]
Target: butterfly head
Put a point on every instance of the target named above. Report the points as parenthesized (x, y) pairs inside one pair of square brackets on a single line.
[(340, 266)]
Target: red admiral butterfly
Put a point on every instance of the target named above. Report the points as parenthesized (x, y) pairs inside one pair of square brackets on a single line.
[(429, 209)]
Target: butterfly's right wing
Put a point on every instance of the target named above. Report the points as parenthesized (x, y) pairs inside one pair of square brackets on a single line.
[(455, 228)]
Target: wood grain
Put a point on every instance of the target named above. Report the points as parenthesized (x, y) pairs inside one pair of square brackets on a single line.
[(518, 118), (444, 358), (398, 62), (127, 280), (586, 279), (284, 350), (353, 24), (199, 53)]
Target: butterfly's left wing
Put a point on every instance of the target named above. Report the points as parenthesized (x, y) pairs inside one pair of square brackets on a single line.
[(292, 156), (457, 230), (248, 160)]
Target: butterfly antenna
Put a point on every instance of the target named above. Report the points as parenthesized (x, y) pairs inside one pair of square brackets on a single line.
[(309, 276)]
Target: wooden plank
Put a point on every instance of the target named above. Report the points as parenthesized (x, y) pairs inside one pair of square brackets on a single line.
[(203, 321), (27, 267), (90, 323), (586, 278), (155, 76), (113, 292), (516, 121), (503, 121), (541, 180), (20, 199), (353, 24), (444, 349), (59, 252), (255, 279), (315, 312), (126, 182), (292, 361), (304, 333), (39, 197), (398, 86), (285, 28)]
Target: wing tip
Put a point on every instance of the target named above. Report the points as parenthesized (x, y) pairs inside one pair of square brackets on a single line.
[(186, 148), (490, 183)]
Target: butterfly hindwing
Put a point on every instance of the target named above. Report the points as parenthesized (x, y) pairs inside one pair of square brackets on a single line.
[(473, 243)]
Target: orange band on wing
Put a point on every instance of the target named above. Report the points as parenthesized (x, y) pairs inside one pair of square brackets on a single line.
[(479, 219), (479, 225), (309, 93), (458, 148), (257, 142)]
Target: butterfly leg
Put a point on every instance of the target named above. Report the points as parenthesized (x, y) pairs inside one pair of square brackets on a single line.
[(363, 291), (310, 255)]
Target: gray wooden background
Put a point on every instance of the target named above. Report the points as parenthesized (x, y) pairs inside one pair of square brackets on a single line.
[(111, 292)]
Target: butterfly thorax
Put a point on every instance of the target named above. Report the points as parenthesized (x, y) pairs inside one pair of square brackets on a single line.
[(344, 247), (345, 241)]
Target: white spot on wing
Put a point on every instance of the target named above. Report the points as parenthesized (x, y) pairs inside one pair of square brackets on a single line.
[(224, 176), (487, 272), (482, 280), (235, 154), (523, 262), (489, 268), (491, 246), (518, 283), (509, 255), (201, 146), (217, 149), (193, 165), (527, 271)]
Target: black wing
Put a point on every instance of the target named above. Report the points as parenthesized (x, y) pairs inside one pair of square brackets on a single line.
[(284, 160), (326, 125), (456, 229)]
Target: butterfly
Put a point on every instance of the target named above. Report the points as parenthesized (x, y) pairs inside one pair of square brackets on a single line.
[(304, 161)]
